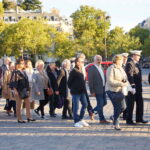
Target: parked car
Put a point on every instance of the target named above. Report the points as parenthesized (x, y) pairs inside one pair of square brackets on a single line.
[(105, 65)]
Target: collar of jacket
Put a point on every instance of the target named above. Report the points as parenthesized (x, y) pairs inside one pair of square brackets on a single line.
[(77, 69), (116, 66)]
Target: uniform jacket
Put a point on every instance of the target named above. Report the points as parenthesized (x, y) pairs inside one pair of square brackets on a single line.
[(134, 74)]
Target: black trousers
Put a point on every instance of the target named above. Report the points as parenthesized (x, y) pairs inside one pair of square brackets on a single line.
[(131, 99), (42, 103), (89, 107), (12, 104), (67, 108)]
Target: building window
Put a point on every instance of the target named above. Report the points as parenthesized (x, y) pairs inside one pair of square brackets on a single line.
[(52, 18), (10, 18), (19, 18)]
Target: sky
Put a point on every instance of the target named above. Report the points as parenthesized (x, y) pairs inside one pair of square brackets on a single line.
[(123, 13)]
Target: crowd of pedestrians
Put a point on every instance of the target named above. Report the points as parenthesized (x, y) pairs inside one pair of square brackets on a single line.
[(65, 87)]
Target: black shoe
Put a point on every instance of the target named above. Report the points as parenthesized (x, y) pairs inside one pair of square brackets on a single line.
[(130, 123), (142, 121), (29, 120), (53, 115), (65, 117), (37, 112), (21, 121)]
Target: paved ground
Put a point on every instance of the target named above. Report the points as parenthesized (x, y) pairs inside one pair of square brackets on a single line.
[(58, 134)]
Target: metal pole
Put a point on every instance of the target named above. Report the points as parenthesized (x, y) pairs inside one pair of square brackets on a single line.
[(105, 43)]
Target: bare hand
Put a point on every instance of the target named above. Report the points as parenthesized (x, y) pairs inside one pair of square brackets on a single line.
[(38, 93), (93, 94), (57, 92)]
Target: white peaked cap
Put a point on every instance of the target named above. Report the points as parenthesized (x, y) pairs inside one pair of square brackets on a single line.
[(136, 52)]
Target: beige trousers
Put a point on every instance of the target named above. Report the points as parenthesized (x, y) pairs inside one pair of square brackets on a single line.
[(18, 107)]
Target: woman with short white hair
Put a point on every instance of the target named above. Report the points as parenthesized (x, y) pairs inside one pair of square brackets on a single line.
[(40, 86)]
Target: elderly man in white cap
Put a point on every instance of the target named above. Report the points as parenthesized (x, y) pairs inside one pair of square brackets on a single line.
[(135, 78), (125, 57)]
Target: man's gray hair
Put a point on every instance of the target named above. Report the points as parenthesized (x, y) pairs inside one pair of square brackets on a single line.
[(97, 56)]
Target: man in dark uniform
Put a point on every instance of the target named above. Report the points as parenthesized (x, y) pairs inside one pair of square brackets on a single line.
[(135, 78)]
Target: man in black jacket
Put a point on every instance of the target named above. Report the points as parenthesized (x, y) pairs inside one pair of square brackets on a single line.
[(64, 90), (135, 78)]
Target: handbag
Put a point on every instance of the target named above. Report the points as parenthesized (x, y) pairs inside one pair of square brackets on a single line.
[(59, 101), (24, 93), (49, 91), (118, 96)]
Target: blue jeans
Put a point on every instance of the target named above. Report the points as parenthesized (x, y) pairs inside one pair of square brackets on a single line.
[(83, 100), (100, 105), (119, 107)]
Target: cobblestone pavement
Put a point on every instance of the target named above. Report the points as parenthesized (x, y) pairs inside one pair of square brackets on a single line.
[(57, 134)]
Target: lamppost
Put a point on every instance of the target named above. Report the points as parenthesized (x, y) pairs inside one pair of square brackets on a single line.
[(105, 18), (105, 36)]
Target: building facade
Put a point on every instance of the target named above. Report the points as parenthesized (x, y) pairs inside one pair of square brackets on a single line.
[(53, 18), (145, 24)]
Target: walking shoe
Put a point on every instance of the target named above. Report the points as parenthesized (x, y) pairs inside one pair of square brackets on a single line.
[(65, 117), (142, 121), (78, 125), (117, 127), (53, 115), (44, 118), (92, 116), (112, 118), (37, 112), (85, 124), (130, 123)]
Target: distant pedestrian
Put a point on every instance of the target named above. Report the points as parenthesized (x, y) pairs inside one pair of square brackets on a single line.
[(116, 80), (39, 89), (64, 90), (134, 74), (21, 90), (89, 107), (7, 92), (76, 83), (97, 80)]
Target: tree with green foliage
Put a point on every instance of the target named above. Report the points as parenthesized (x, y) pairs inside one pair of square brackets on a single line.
[(9, 4), (90, 29), (1, 10), (146, 47), (32, 36), (118, 41), (31, 4), (63, 45), (140, 32)]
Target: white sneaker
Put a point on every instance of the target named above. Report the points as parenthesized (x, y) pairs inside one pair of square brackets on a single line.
[(78, 125), (44, 118), (83, 123)]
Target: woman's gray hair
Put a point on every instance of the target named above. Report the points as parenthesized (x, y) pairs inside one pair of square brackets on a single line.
[(65, 61), (81, 55), (39, 62)]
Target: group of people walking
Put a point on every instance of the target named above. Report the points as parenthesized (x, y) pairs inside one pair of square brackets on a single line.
[(67, 87)]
